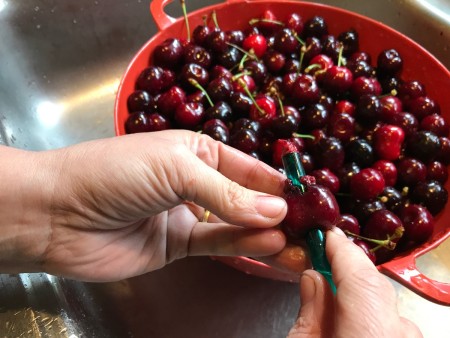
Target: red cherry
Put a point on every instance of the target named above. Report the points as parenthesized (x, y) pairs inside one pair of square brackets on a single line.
[(388, 170), (366, 248), (367, 184), (240, 83), (266, 112), (189, 115), (411, 171), (337, 80), (437, 171), (256, 43), (390, 106), (388, 141), (327, 179), (305, 90), (169, 101), (436, 124), (345, 106)]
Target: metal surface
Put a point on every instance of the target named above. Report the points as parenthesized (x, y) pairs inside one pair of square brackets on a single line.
[(61, 62)]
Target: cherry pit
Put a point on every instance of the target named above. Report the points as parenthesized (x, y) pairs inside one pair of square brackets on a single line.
[(374, 145)]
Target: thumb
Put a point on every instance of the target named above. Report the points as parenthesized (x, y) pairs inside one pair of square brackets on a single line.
[(316, 316), (227, 199)]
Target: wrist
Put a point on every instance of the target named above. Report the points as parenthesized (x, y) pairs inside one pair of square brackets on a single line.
[(26, 190)]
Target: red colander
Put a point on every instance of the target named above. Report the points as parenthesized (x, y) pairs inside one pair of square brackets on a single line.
[(419, 64)]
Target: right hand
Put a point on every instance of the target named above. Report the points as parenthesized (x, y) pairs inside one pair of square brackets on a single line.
[(365, 304)]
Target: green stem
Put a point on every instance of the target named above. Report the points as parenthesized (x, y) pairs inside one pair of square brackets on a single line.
[(280, 103), (341, 50), (247, 91), (214, 17), (253, 56), (183, 7), (303, 136), (199, 87), (253, 21)]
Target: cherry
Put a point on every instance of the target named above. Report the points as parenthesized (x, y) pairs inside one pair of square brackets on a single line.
[(331, 47), (245, 140), (389, 62), (410, 90), (372, 181), (197, 54), (337, 80), (360, 56), (168, 54), (390, 106), (235, 37), (345, 174), (368, 109), (220, 71), (345, 106), (140, 100), (286, 41), (385, 226), (406, 121), (312, 47), (443, 154), (436, 124), (350, 42), (359, 69), (169, 101), (431, 194), (274, 61), (316, 207), (217, 130), (437, 171), (219, 89), (359, 151), (283, 126), (189, 115), (388, 141), (418, 223), (330, 153), (217, 41), (315, 27), (151, 80), (140, 122), (200, 34), (388, 170), (193, 72), (423, 106), (423, 145), (327, 179), (305, 90), (239, 83), (391, 198), (315, 117), (267, 23), (263, 110), (365, 86), (256, 44), (411, 171), (245, 123), (295, 23), (347, 222), (240, 104), (221, 110), (342, 126)]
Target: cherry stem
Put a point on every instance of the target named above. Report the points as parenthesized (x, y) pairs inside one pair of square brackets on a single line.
[(303, 136), (214, 17), (300, 62), (238, 75), (247, 91), (203, 90), (340, 58), (183, 7), (205, 20), (313, 66), (300, 41), (254, 21), (241, 64), (388, 243), (280, 103), (253, 56)]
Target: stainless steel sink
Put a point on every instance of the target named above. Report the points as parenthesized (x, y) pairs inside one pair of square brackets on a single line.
[(60, 65)]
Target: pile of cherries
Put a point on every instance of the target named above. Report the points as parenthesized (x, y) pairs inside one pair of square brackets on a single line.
[(376, 141)]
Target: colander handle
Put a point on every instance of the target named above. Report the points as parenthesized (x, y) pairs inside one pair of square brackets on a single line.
[(404, 271), (162, 19)]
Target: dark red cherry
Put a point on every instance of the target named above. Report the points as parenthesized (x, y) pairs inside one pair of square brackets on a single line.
[(245, 140), (168, 54), (437, 171), (137, 122), (365, 86), (198, 55), (406, 121), (195, 72), (327, 179), (430, 194), (411, 171), (389, 62), (366, 248), (418, 223), (315, 27), (337, 80), (305, 90), (240, 104), (140, 100), (219, 89), (169, 101), (436, 124), (151, 80), (274, 61), (189, 115), (344, 107), (221, 110), (294, 22), (330, 153), (200, 34), (363, 209), (382, 225), (315, 117), (409, 90), (347, 222), (423, 145), (283, 126), (286, 42), (350, 41), (345, 173), (217, 130), (359, 151), (391, 198), (443, 154), (423, 106), (368, 110), (390, 106), (342, 126)]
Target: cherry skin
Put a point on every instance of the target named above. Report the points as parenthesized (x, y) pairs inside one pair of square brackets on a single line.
[(388, 142), (389, 62), (430, 194), (411, 171), (305, 90), (342, 126), (347, 222), (217, 130), (169, 101), (140, 100), (327, 179), (367, 184), (266, 112), (255, 43), (437, 171), (245, 140), (390, 106), (337, 80), (366, 248), (168, 54), (316, 207), (345, 107), (388, 170), (436, 124), (189, 115), (418, 223)]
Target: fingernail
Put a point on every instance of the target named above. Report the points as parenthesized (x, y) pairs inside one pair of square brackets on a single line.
[(270, 206), (307, 289), (338, 231)]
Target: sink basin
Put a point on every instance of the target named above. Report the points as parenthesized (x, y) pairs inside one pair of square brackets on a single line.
[(61, 66)]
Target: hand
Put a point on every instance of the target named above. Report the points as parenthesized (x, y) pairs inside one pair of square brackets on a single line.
[(121, 207), (365, 302)]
